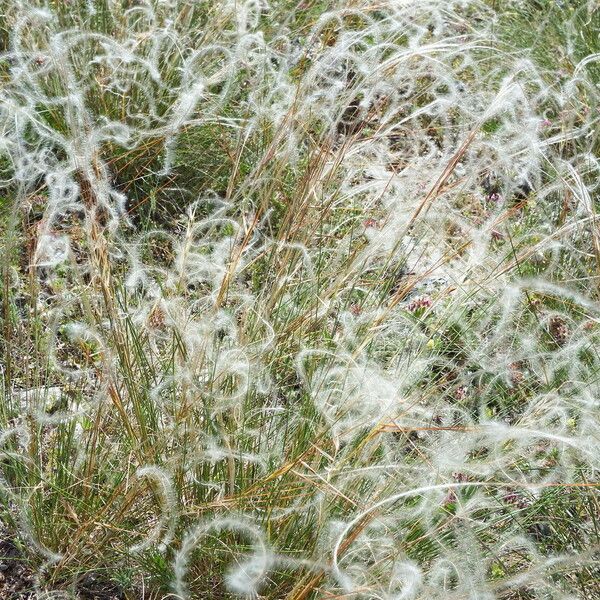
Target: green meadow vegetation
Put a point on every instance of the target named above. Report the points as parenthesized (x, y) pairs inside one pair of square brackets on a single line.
[(299, 300)]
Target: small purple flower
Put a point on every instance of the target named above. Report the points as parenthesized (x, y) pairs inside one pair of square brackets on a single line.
[(450, 498), (461, 392), (546, 123), (371, 223), (495, 197), (515, 499), (419, 303), (355, 309)]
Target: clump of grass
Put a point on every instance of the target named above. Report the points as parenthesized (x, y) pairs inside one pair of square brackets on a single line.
[(296, 304)]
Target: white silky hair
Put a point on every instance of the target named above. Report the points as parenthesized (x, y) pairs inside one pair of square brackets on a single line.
[(413, 171)]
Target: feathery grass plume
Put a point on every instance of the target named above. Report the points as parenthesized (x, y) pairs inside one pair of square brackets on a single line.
[(301, 300)]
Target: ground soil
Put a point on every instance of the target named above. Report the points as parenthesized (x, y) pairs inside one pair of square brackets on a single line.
[(17, 578)]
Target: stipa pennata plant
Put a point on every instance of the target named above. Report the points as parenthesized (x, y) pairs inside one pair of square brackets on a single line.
[(307, 300)]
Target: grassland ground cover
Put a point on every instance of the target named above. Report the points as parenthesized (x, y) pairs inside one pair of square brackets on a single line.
[(299, 300)]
